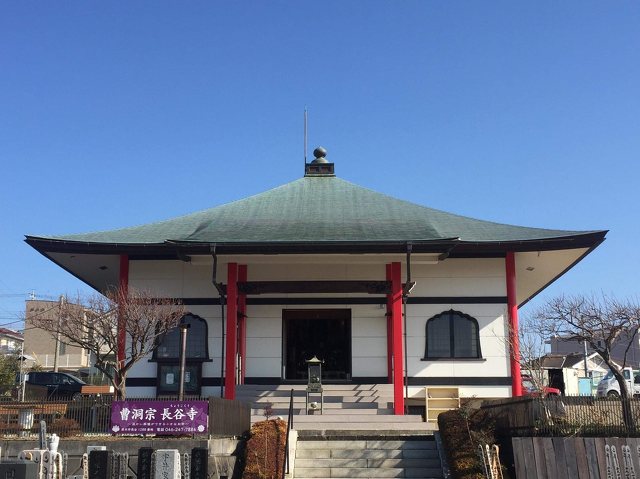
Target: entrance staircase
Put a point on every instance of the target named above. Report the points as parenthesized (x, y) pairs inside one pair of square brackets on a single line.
[(356, 436), (347, 407), (363, 457)]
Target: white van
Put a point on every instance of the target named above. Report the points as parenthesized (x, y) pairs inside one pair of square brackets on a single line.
[(608, 386)]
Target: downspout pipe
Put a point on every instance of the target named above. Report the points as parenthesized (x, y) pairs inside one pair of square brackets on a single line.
[(223, 301), (408, 286)]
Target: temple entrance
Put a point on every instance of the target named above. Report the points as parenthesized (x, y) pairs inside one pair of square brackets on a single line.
[(325, 333)]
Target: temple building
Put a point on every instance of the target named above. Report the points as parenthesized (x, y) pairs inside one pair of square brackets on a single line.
[(382, 290)]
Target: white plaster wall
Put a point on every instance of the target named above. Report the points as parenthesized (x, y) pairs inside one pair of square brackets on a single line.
[(449, 278)]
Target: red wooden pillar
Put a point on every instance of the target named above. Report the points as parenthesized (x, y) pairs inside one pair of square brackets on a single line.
[(396, 325), (232, 325), (512, 311), (389, 333), (123, 285), (242, 325)]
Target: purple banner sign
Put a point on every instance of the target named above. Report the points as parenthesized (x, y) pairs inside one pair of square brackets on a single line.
[(159, 417)]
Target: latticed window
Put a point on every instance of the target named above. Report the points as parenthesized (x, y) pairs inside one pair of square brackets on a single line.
[(452, 334)]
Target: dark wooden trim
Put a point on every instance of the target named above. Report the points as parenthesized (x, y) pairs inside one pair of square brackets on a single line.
[(274, 287), (413, 381), (477, 360), (461, 381), (208, 382), (457, 300), (264, 381), (370, 380), (142, 382), (268, 381), (360, 300)]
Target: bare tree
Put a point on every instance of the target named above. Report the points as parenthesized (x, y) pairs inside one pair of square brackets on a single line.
[(600, 321), (532, 348), (98, 322)]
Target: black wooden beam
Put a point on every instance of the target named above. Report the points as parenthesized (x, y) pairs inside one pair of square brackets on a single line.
[(274, 287)]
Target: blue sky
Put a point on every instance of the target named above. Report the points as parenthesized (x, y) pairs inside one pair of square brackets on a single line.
[(114, 114)]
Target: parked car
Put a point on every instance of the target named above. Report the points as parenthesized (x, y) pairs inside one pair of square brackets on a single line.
[(608, 385), (530, 389), (59, 385)]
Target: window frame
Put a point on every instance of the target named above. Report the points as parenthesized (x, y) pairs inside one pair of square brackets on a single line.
[(191, 362), (204, 359), (452, 314)]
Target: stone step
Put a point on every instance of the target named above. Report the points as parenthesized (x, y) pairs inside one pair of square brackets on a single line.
[(327, 404), (372, 427), (315, 397), (336, 411), (365, 472), (431, 455), (326, 417), (372, 463), (369, 444)]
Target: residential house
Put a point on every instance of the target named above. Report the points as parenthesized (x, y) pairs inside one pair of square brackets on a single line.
[(10, 341)]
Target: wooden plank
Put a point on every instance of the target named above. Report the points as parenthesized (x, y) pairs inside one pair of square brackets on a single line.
[(561, 463), (570, 455), (592, 457), (581, 458), (550, 458), (518, 457), (602, 460), (529, 458), (538, 452)]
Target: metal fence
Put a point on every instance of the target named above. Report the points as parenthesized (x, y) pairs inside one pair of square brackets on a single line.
[(91, 415), (566, 416)]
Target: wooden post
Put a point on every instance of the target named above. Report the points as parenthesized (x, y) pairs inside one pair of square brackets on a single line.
[(396, 320), (389, 333), (512, 311)]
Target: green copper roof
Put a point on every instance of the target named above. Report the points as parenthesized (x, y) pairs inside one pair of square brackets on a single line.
[(318, 209)]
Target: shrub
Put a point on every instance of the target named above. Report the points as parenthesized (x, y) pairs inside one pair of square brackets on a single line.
[(264, 457)]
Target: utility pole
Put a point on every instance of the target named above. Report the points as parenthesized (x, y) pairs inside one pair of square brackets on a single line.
[(183, 358), (55, 356)]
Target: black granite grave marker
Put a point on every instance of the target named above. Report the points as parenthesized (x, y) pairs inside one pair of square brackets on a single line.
[(199, 463), (144, 463), (100, 464), (18, 470)]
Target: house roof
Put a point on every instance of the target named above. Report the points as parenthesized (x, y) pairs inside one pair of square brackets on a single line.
[(10, 333), (323, 211)]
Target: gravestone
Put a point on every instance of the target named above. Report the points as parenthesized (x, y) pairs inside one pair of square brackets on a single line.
[(35, 456), (19, 470), (120, 464), (96, 448), (101, 464), (167, 464), (52, 465), (144, 463), (42, 435), (199, 463)]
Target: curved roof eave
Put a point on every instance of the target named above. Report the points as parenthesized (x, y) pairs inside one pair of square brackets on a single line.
[(453, 246)]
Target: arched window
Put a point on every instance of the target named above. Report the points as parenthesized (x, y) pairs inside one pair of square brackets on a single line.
[(167, 354), (197, 347), (452, 334)]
